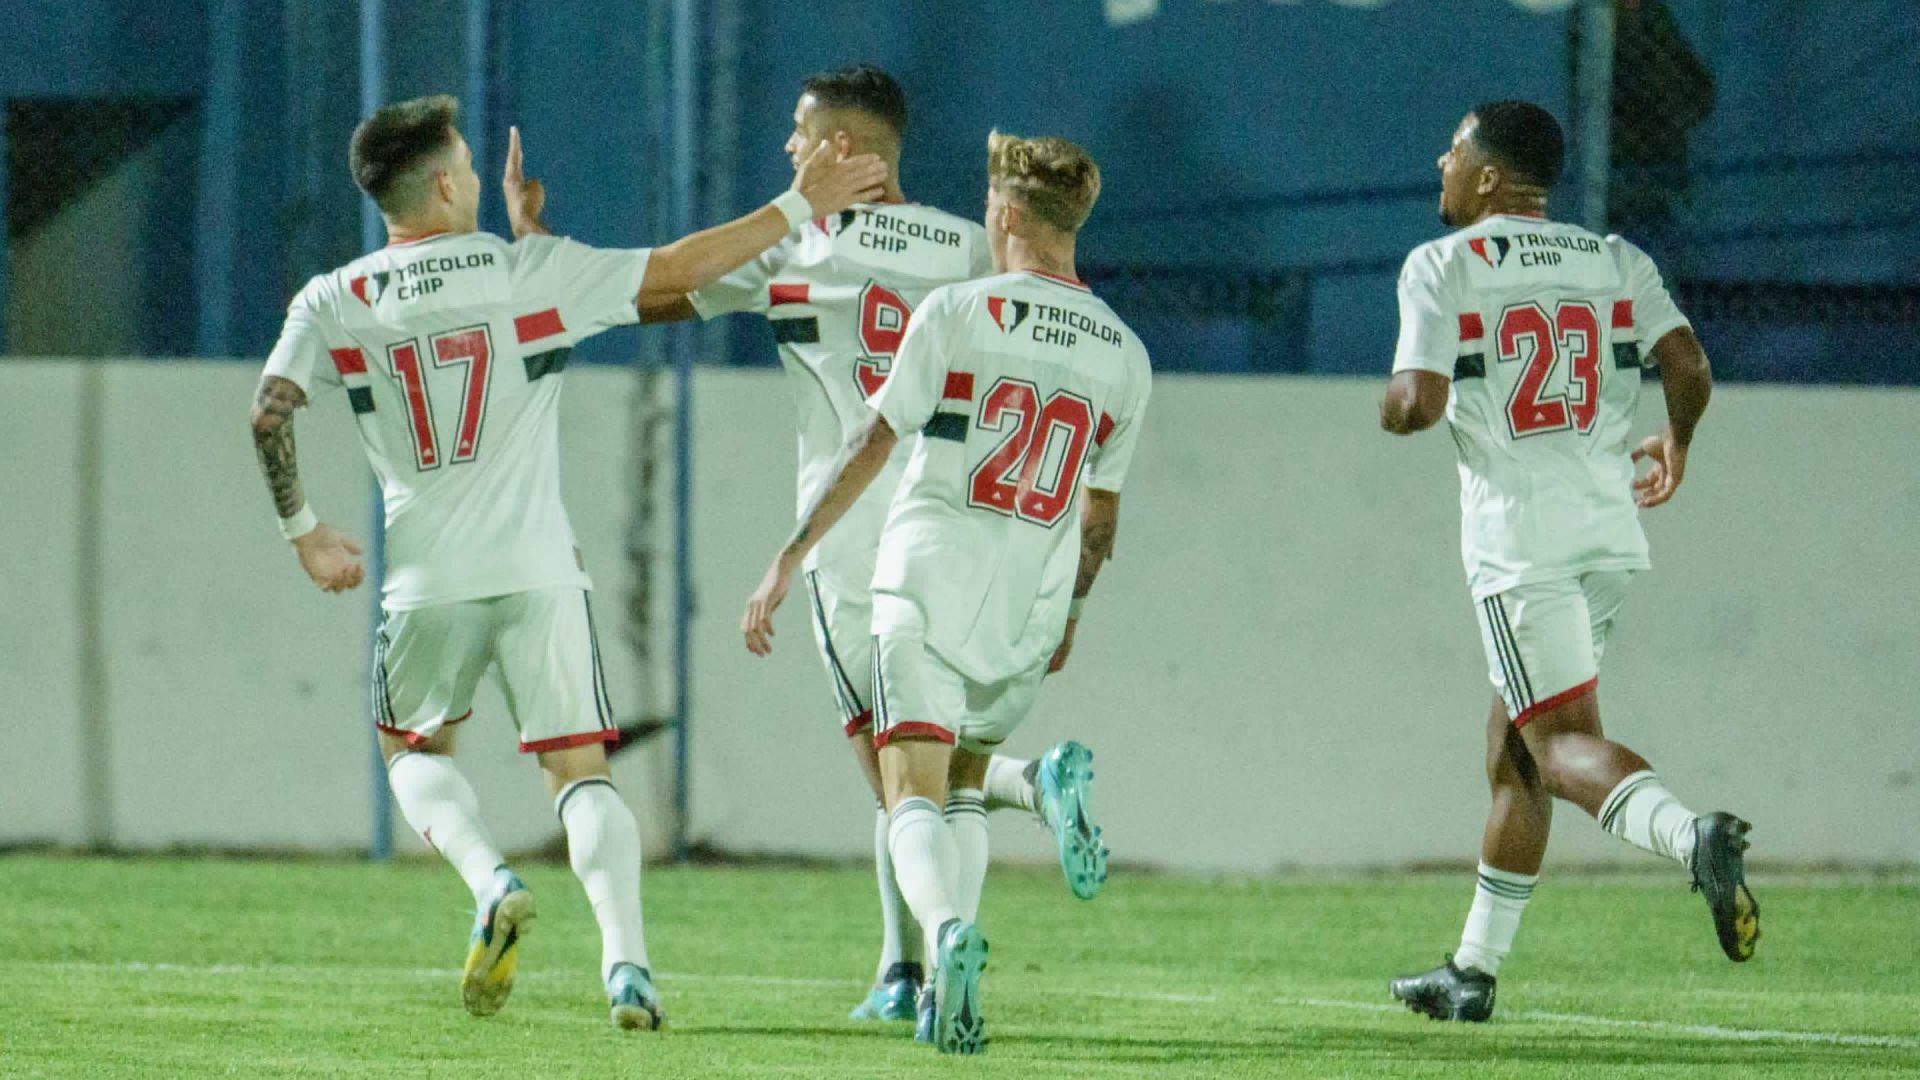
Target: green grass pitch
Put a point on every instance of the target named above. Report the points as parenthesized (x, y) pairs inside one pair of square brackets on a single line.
[(206, 967)]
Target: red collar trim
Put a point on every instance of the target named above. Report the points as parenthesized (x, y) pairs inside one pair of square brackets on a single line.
[(417, 239), (1061, 278)]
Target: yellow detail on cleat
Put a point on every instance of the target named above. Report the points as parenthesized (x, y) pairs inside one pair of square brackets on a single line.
[(1746, 924), (488, 976)]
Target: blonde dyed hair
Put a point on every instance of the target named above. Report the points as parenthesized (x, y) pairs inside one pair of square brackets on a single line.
[(1052, 178)]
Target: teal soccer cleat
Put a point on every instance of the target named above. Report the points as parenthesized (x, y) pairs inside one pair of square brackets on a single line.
[(633, 1002), (1064, 775), (895, 998), (493, 952), (958, 1026), (923, 1023)]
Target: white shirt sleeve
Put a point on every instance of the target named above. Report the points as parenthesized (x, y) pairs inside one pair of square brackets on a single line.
[(300, 354), (593, 288), (918, 378), (1429, 315), (1112, 457), (1655, 315), (744, 290)]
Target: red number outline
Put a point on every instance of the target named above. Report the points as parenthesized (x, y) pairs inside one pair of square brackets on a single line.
[(994, 484), (1575, 329), (878, 343), (404, 358), (470, 347), (1008, 480), (1039, 503)]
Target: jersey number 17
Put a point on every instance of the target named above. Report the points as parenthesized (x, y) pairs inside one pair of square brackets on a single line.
[(470, 347)]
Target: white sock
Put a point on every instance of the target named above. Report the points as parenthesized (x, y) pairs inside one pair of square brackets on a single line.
[(603, 843), (1499, 898), (900, 934), (1009, 785), (967, 821), (1644, 813), (441, 806), (923, 863)]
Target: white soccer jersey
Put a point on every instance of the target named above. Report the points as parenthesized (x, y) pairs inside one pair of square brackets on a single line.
[(838, 294), (1021, 387), (1543, 328), (450, 351)]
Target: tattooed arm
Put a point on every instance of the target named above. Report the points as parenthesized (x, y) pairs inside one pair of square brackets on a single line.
[(327, 556), (273, 406), (860, 460), (1099, 519)]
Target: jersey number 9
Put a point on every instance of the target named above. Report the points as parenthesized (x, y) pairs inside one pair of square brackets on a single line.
[(883, 322)]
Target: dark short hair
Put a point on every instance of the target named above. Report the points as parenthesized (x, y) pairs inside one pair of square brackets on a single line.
[(1522, 136), (862, 87), (389, 145)]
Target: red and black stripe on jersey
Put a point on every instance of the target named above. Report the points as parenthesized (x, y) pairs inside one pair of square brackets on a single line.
[(1626, 354), (947, 424), (536, 327), (1473, 334)]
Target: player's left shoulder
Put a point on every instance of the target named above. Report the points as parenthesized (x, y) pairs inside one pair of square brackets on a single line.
[(1625, 252), (320, 296)]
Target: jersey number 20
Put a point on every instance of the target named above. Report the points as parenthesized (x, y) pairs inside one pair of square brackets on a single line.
[(1009, 480), (883, 322), (472, 348), (1574, 329)]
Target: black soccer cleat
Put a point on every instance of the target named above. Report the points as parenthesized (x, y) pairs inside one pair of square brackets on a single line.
[(1447, 993), (1720, 871)]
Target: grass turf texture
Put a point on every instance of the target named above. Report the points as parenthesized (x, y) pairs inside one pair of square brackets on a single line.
[(203, 967)]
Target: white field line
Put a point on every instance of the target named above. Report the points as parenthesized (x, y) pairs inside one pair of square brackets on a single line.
[(1704, 1031)]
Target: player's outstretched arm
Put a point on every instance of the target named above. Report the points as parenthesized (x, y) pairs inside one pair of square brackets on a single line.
[(823, 186), (1687, 381), (860, 460), (1415, 401), (327, 556), (1099, 520)]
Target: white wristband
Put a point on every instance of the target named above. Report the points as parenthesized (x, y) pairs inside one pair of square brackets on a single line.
[(795, 207), (1075, 606), (300, 524)]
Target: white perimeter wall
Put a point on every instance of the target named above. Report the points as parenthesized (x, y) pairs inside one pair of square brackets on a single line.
[(1280, 668)]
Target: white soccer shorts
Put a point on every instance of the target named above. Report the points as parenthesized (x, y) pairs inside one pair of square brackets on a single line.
[(842, 617), (917, 694), (1544, 641), (427, 662)]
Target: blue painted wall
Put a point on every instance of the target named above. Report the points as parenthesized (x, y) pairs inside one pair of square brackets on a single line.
[(1211, 118)]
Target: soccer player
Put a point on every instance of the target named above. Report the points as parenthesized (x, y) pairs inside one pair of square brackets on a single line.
[(1528, 336), (838, 296), (450, 345), (1021, 390)]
